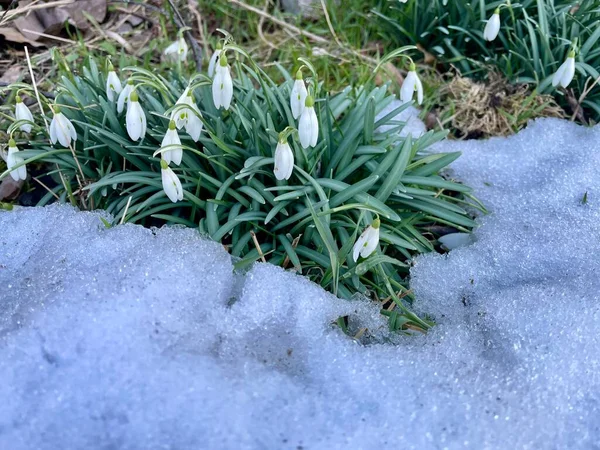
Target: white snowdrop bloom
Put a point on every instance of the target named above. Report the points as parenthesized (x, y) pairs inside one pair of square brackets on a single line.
[(565, 73), (124, 96), (189, 117), (222, 88), (13, 159), (171, 139), (411, 84), (284, 161), (492, 27), (135, 119), (367, 242), (298, 96), (170, 182), (61, 129), (214, 59), (177, 50), (22, 112), (308, 127), (113, 84)]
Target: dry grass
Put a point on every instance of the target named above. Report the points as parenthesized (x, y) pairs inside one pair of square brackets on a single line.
[(493, 108)]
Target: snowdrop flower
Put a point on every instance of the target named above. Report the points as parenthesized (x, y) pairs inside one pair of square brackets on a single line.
[(565, 73), (177, 50), (222, 88), (113, 84), (13, 159), (492, 27), (411, 84), (61, 129), (308, 127), (22, 113), (298, 96), (214, 59), (171, 138), (135, 120), (170, 182), (367, 241), (284, 161), (189, 117), (124, 96)]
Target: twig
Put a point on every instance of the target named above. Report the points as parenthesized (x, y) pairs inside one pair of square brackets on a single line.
[(189, 37), (257, 245), (47, 188), (582, 97), (126, 208), (35, 89)]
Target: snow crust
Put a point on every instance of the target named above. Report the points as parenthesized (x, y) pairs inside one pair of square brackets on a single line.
[(129, 338)]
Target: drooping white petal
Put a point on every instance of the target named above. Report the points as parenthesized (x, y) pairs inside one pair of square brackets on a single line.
[(227, 89), (135, 121), (298, 98), (568, 73), (217, 87), (419, 87), (174, 154), (13, 159), (124, 97), (371, 242), (171, 185), (308, 127), (359, 244), (22, 112), (113, 85), (492, 27), (408, 87), (62, 130), (222, 88), (214, 59), (284, 161), (177, 50), (194, 124)]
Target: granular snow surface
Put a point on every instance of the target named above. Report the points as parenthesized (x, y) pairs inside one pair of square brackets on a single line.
[(130, 338)]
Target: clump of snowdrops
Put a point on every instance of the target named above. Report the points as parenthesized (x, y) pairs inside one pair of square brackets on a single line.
[(283, 172)]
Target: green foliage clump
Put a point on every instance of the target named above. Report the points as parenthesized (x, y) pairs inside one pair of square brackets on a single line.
[(535, 38), (310, 222)]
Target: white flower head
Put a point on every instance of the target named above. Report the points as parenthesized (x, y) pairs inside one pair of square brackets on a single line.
[(124, 96), (174, 153), (61, 129), (298, 96), (135, 119), (222, 88), (13, 159), (308, 126), (492, 27), (113, 84), (178, 50), (411, 84), (170, 182), (284, 160), (187, 114), (22, 112), (565, 73), (214, 59), (367, 241)]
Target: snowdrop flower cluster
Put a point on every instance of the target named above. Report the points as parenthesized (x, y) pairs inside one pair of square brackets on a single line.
[(367, 242), (22, 112), (411, 84), (222, 88)]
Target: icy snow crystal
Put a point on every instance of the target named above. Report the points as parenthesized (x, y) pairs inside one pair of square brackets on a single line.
[(130, 338)]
